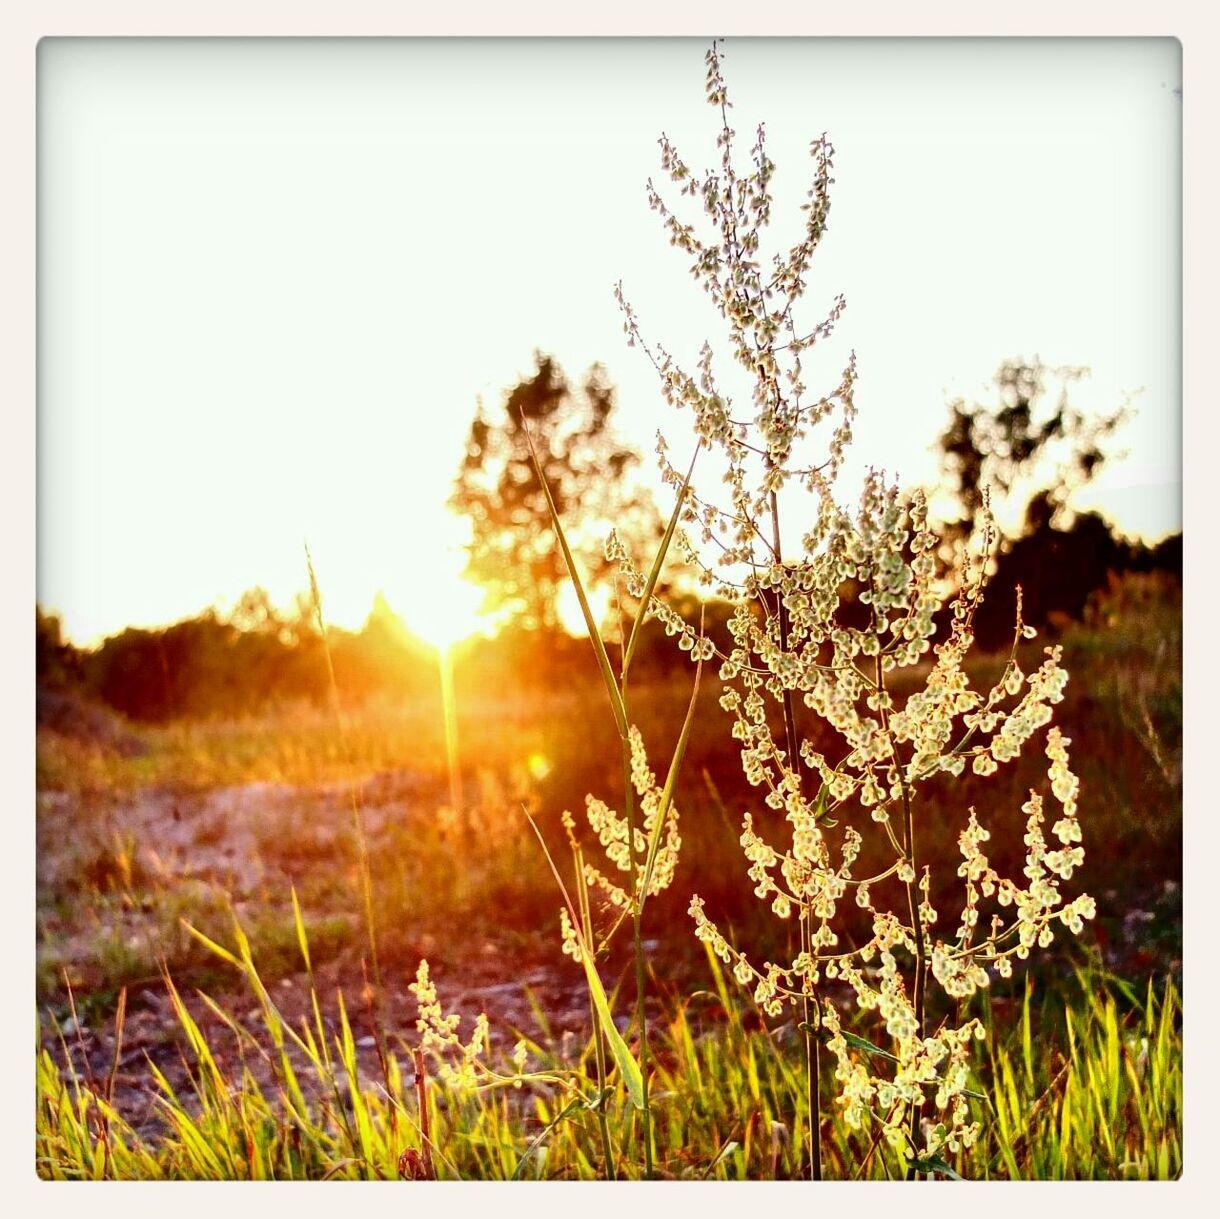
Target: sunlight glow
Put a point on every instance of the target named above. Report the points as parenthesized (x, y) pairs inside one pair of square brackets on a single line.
[(266, 219), (446, 610), (571, 616)]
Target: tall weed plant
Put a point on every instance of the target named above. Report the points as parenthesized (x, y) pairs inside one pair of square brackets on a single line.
[(830, 625)]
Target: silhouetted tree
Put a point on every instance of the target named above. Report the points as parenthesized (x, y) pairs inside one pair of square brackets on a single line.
[(513, 553), (1057, 570), (57, 663), (1030, 450)]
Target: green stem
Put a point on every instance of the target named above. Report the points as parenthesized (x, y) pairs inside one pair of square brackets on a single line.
[(813, 1047), (599, 1051), (642, 1020), (637, 941)]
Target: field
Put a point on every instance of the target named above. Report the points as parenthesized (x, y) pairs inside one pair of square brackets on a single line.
[(231, 914)]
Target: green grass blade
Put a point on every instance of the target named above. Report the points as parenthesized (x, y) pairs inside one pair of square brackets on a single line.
[(212, 946), (627, 1065), (862, 1043), (302, 939), (654, 574), (667, 793), (595, 637)]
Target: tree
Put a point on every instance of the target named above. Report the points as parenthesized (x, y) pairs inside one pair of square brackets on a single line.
[(512, 553), (1029, 451), (56, 662)]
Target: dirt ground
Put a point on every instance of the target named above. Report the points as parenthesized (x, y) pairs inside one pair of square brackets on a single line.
[(118, 874)]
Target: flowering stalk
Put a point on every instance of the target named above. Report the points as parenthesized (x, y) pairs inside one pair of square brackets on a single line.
[(834, 627), (637, 937), (465, 1066)]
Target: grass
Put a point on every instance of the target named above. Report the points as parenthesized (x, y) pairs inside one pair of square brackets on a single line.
[(1122, 713), (1090, 1090), (1081, 1079)]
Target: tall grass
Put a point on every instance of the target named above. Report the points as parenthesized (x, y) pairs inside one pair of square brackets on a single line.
[(1094, 1092), (643, 837)]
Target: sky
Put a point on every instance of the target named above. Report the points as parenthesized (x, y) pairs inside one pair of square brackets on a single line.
[(276, 276)]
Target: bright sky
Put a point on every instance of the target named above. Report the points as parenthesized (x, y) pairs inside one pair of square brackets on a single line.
[(274, 276)]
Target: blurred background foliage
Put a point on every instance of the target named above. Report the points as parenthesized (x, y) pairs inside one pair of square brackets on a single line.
[(1029, 451)]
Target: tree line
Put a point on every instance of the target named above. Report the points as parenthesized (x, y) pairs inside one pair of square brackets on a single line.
[(1018, 460)]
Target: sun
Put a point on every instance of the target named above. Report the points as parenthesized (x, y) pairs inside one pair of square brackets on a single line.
[(446, 613)]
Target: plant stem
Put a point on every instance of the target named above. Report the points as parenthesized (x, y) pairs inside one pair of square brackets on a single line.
[(425, 1116), (600, 1052), (642, 1020), (917, 927), (908, 842), (813, 1048), (599, 1046), (641, 1014)]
